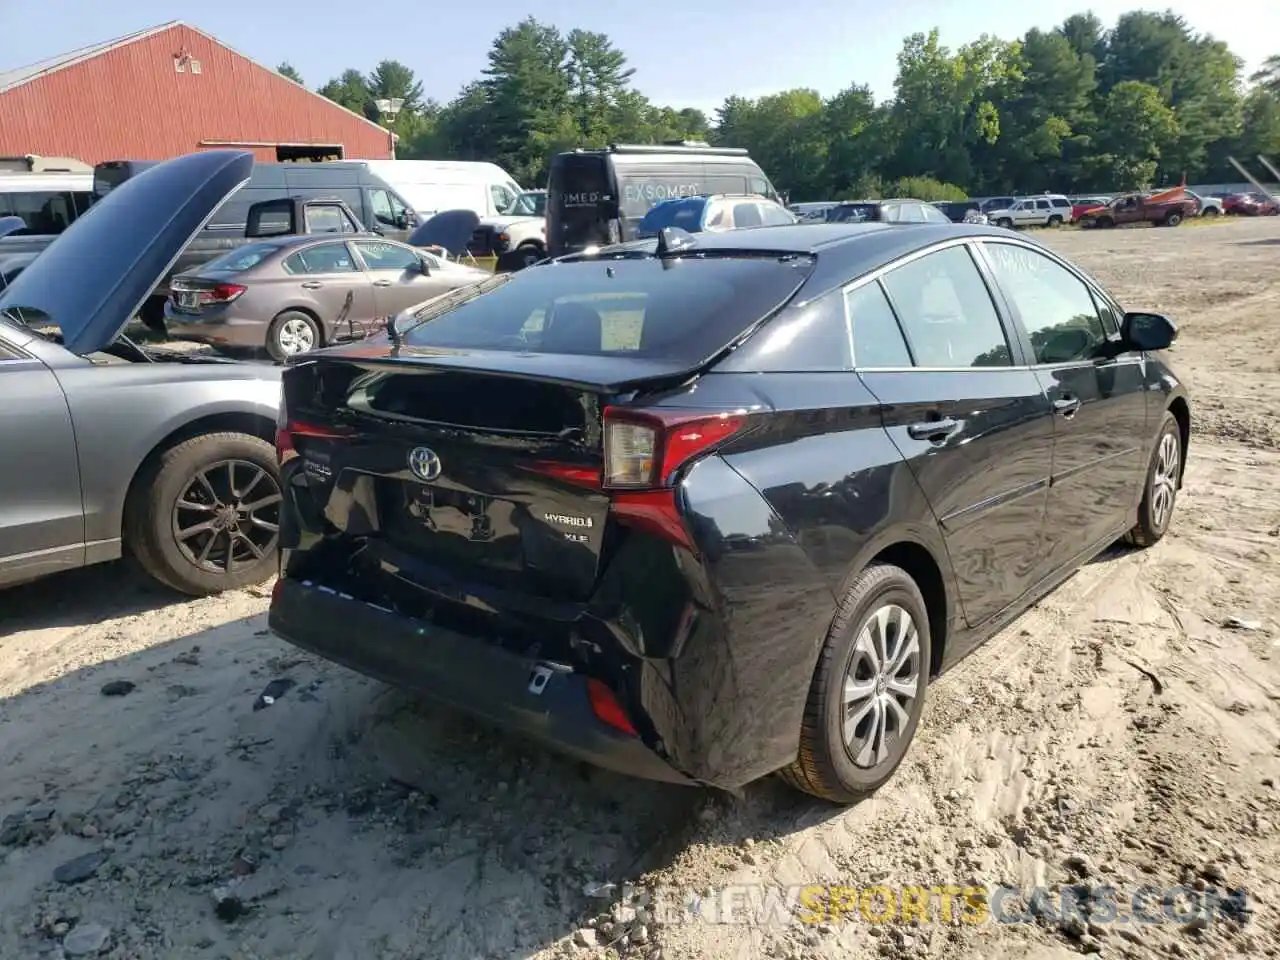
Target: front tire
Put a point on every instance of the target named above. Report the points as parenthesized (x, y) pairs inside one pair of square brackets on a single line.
[(204, 515), (1210, 212), (1005, 222), (1160, 495), (868, 689)]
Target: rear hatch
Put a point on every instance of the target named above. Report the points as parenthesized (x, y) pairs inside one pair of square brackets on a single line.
[(475, 446)]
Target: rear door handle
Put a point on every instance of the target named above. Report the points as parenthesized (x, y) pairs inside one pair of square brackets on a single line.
[(382, 283), (312, 285), (935, 431), (1067, 406)]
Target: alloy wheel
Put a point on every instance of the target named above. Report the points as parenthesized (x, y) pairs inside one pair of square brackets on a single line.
[(1164, 480), (881, 685), (227, 515), (296, 336)]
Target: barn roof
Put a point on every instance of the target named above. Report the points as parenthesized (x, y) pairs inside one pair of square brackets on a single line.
[(10, 79), (16, 78)]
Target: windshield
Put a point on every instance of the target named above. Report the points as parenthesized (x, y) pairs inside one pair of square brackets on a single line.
[(642, 307), (531, 203), (240, 259)]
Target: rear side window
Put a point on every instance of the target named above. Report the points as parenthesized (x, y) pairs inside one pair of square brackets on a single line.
[(877, 340), (946, 311), (242, 258), (324, 258), (687, 311), (1060, 202)]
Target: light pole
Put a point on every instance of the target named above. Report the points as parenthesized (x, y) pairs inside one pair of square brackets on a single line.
[(390, 108)]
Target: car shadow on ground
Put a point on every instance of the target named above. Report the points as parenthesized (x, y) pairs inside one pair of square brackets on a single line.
[(338, 817), (1266, 242), (82, 597)]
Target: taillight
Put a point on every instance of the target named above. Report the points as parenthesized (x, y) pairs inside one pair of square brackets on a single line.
[(644, 448), (222, 293), (607, 708), (289, 431)]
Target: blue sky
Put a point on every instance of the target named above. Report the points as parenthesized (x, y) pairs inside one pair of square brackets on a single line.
[(684, 55)]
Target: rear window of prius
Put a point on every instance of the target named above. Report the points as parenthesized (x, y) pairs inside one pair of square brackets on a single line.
[(686, 309)]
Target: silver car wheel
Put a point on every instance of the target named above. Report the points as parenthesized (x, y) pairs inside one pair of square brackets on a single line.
[(296, 336), (880, 685), (1164, 480)]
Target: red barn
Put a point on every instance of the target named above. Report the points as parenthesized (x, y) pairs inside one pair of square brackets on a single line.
[(168, 91)]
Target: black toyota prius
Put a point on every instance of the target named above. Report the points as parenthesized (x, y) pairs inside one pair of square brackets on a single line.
[(706, 508)]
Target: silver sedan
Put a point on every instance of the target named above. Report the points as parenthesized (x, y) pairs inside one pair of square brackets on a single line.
[(294, 294)]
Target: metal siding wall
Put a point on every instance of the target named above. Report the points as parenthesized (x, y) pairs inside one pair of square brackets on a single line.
[(131, 104)]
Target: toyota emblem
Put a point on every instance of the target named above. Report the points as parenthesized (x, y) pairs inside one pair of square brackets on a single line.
[(425, 463)]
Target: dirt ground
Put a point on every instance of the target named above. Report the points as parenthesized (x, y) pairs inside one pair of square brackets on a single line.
[(1122, 733)]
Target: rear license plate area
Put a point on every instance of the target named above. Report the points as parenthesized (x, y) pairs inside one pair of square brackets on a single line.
[(188, 301), (460, 524)]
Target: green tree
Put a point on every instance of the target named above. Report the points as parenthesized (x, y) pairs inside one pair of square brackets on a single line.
[(390, 80), (946, 104), (529, 96), (1047, 120), (1136, 127), (1268, 76), (855, 129), (598, 78), (351, 91), (287, 70)]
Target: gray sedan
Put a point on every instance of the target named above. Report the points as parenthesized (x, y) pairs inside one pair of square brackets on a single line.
[(294, 294), (111, 448)]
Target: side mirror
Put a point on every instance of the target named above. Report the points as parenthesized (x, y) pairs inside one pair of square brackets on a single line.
[(424, 266), (1148, 331)]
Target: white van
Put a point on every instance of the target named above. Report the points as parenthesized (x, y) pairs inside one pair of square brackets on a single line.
[(432, 186), (48, 202)]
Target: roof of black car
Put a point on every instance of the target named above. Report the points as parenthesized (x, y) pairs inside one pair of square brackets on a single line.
[(842, 249), (826, 237)]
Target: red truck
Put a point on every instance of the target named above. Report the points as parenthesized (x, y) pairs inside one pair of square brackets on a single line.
[(1167, 209)]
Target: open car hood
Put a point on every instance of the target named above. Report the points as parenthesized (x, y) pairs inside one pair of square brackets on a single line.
[(93, 278)]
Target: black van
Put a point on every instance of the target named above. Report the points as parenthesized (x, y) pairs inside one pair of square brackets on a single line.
[(379, 207), (599, 196)]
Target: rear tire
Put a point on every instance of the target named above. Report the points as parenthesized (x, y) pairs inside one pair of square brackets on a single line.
[(882, 612), (153, 519), (1055, 221), (1210, 212), (1160, 495), (292, 332), (1173, 219)]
